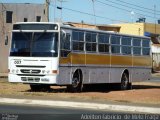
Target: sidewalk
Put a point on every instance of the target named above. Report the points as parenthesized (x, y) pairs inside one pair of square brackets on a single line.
[(143, 98), (83, 105)]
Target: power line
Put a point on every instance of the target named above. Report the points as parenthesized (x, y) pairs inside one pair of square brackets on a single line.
[(86, 13), (124, 9), (97, 16), (137, 5), (89, 14), (132, 7)]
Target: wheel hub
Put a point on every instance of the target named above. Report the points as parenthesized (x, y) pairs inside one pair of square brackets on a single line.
[(75, 82)]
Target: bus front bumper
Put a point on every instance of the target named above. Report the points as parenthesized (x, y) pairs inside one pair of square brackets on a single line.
[(47, 79)]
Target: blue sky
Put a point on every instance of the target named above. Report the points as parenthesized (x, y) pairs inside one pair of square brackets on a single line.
[(108, 11)]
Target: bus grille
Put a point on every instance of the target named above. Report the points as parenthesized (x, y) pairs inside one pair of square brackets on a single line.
[(30, 71), (30, 79)]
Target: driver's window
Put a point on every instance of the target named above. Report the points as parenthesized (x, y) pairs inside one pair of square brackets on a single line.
[(65, 44)]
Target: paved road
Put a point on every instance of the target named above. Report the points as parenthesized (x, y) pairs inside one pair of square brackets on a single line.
[(21, 112)]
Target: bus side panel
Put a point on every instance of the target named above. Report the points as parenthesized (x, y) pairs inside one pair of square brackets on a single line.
[(98, 75), (91, 75), (141, 68), (119, 63), (141, 74), (115, 74), (98, 68), (65, 75), (93, 67)]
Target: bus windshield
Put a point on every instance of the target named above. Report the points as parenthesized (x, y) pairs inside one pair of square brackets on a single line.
[(34, 44)]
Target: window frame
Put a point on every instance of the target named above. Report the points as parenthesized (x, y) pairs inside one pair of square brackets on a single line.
[(146, 47), (126, 45), (91, 42), (115, 44), (63, 38), (9, 16), (38, 18), (79, 41), (137, 46), (105, 43)]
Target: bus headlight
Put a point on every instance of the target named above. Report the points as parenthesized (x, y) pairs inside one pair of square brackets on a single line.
[(48, 71), (15, 71), (45, 71)]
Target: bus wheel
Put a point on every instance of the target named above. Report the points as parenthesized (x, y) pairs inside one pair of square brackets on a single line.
[(125, 82), (76, 85)]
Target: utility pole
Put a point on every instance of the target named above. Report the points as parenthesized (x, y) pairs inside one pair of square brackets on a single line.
[(47, 3), (94, 13), (3, 10), (60, 8), (55, 6), (155, 18)]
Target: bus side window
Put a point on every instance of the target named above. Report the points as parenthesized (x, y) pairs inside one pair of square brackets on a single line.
[(146, 46), (103, 43), (65, 44), (78, 41), (126, 45), (91, 43), (115, 44), (137, 46)]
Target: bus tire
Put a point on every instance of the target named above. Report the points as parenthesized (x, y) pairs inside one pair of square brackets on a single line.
[(130, 86), (76, 85), (37, 88), (125, 81)]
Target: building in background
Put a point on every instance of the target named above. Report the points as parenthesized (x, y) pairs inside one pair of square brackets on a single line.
[(142, 29), (156, 57), (112, 28), (11, 13)]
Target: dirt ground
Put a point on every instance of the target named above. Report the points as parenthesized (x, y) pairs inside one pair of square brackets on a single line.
[(142, 93)]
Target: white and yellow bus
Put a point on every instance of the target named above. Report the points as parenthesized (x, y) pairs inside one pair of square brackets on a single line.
[(45, 54)]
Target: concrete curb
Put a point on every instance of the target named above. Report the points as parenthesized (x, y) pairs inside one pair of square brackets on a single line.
[(94, 106)]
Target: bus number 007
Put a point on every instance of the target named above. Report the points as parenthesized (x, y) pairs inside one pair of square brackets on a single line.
[(17, 62)]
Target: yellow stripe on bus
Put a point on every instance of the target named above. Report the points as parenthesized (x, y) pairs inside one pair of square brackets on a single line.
[(94, 59), (98, 59), (121, 60), (142, 61)]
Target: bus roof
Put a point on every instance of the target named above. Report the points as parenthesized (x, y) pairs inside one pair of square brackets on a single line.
[(67, 26)]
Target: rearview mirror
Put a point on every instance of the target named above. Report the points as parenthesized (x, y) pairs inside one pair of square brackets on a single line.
[(63, 34)]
